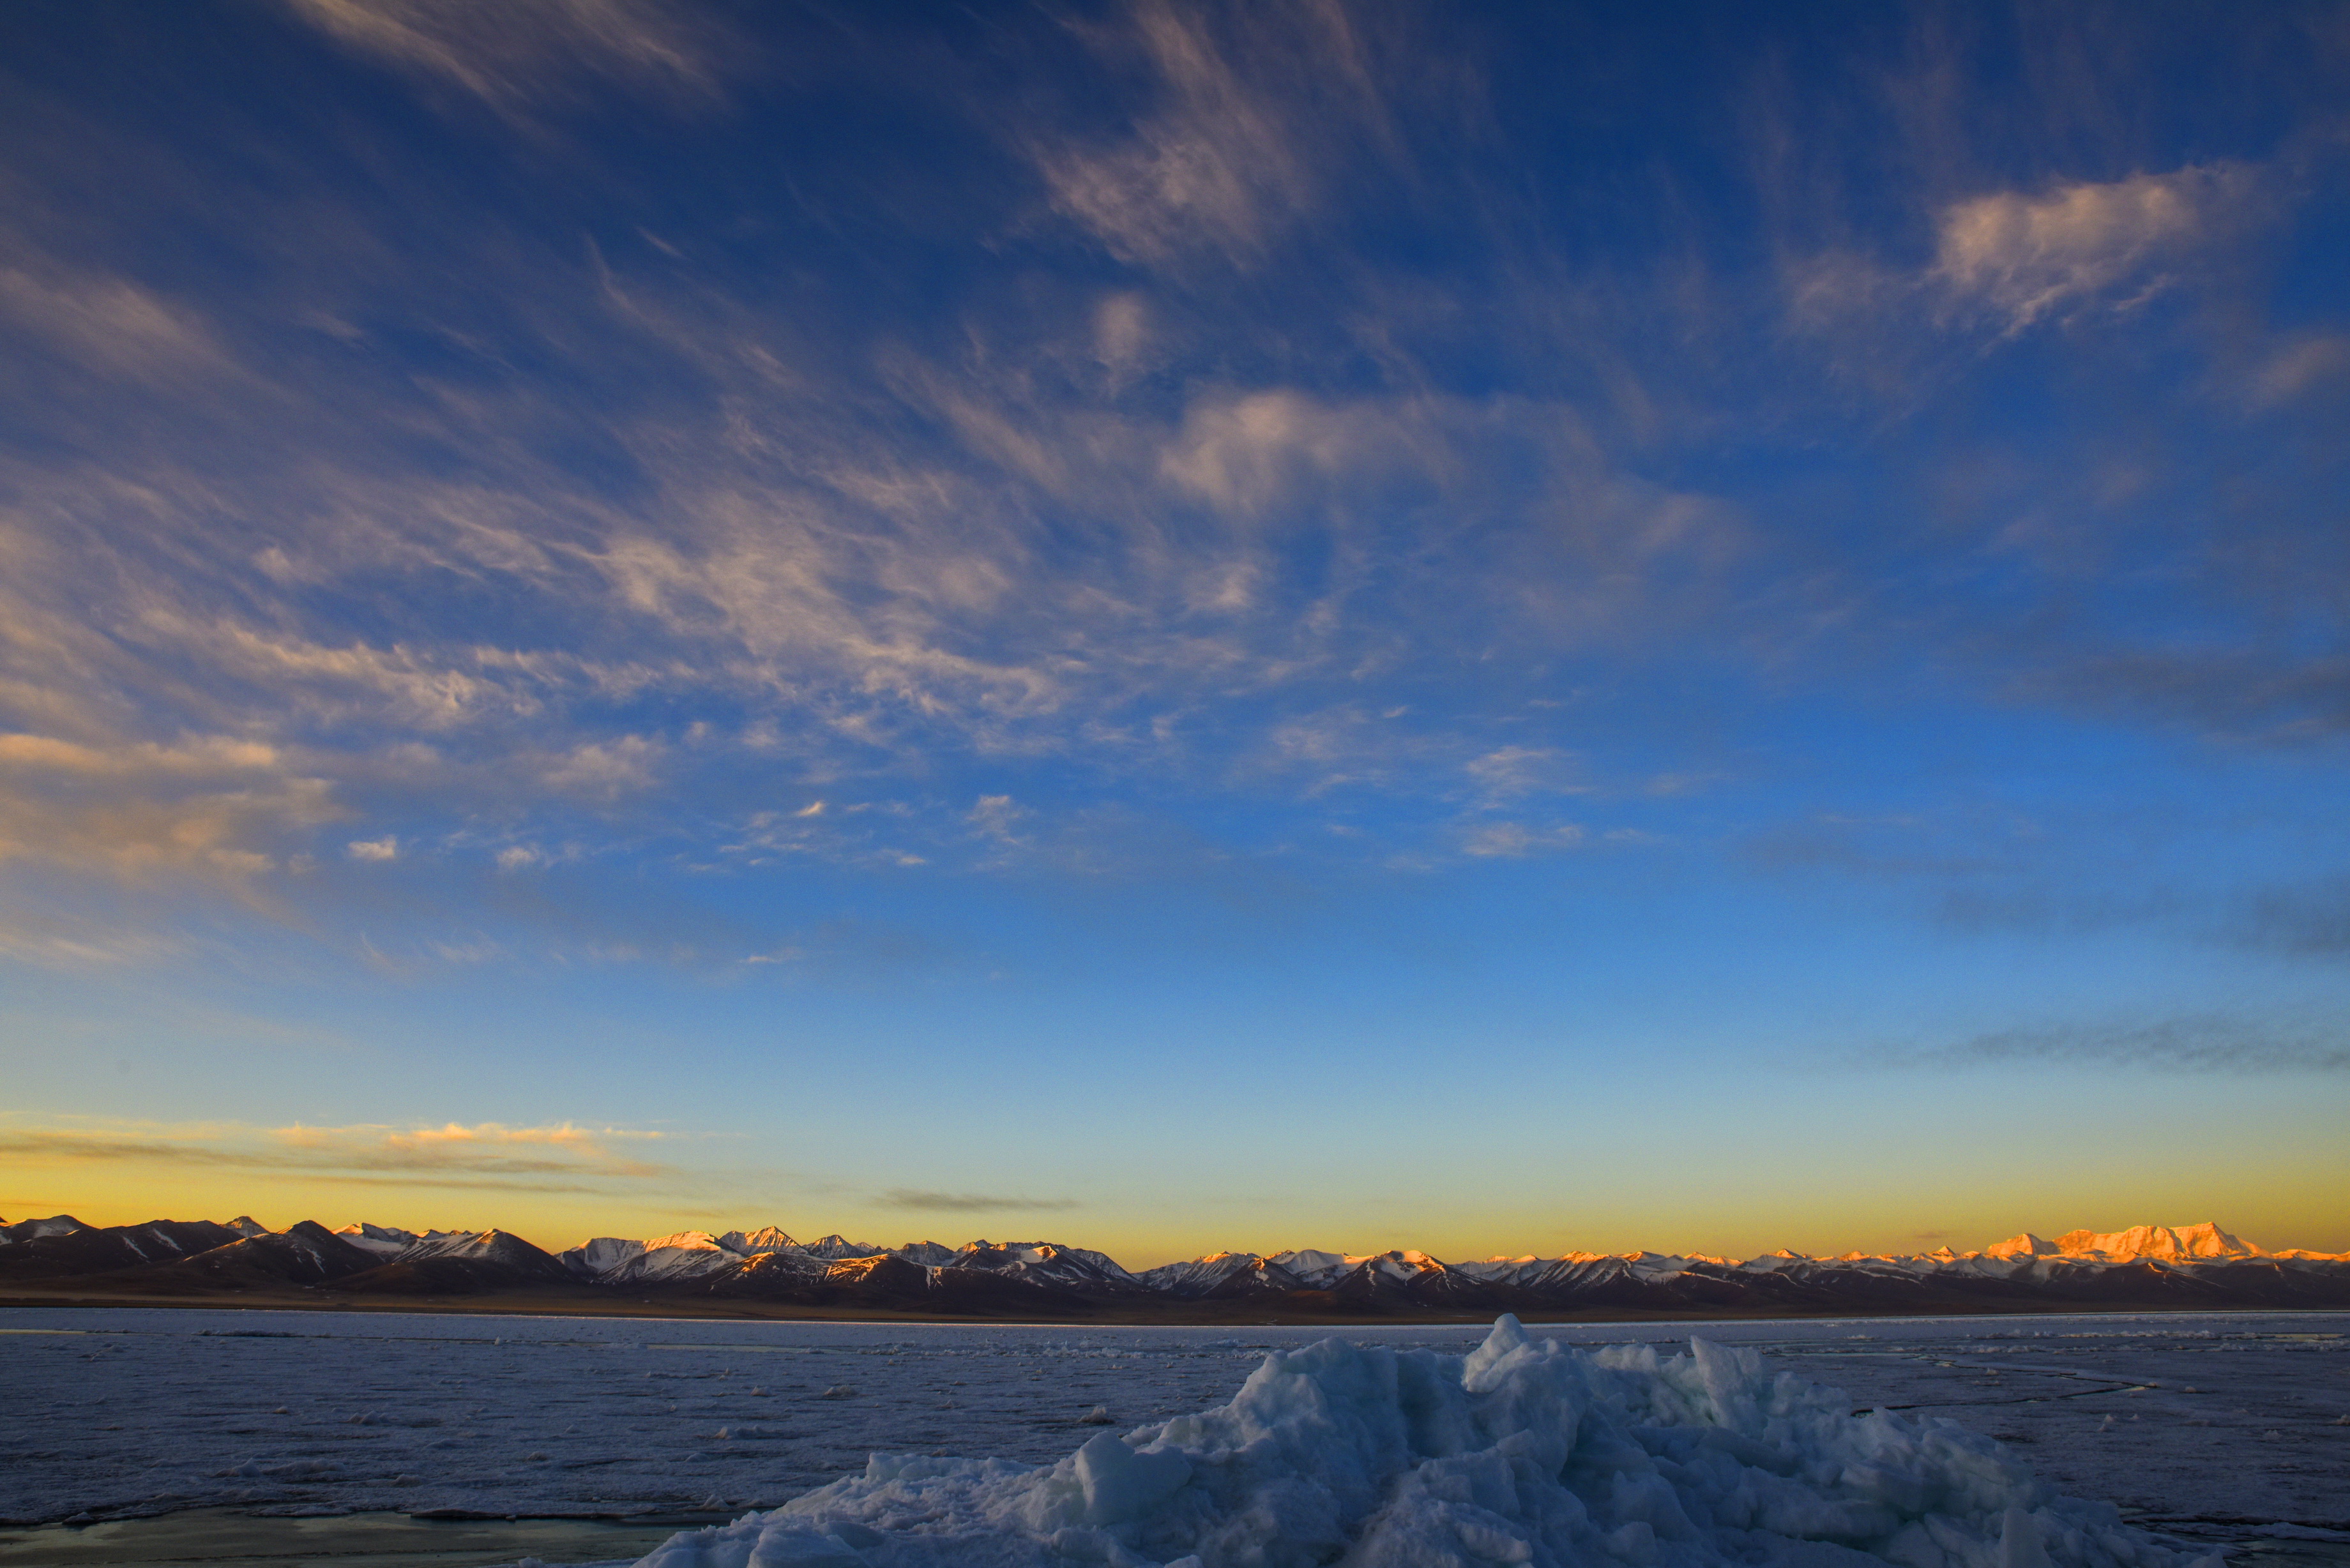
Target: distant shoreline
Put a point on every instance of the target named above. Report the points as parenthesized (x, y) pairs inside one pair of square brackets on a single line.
[(1192, 1314)]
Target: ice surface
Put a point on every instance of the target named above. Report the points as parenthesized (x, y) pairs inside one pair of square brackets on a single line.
[(2187, 1420), (1523, 1451)]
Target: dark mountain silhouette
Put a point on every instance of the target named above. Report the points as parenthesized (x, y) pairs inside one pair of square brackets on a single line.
[(2149, 1267)]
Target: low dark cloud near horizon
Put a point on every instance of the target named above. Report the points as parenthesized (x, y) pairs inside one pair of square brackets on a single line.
[(450, 1158), (2308, 918), (2218, 1044), (972, 1202)]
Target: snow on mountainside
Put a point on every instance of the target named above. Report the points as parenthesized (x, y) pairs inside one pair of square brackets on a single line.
[(769, 1260), (600, 1256), (477, 1245), (2024, 1261), (1220, 1274), (689, 1254), (1048, 1262), (1314, 1270), (697, 1254), (930, 1254)]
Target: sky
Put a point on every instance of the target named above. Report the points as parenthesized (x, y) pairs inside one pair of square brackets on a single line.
[(1177, 627)]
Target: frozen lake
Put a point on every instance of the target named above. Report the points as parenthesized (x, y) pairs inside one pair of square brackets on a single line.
[(2233, 1427)]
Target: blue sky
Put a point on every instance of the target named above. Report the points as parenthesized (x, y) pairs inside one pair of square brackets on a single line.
[(1177, 627)]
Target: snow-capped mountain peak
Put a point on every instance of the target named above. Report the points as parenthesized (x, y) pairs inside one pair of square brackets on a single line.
[(1315, 1269), (687, 1254), (34, 1229), (750, 1243), (1046, 1263), (756, 1260), (383, 1240), (685, 1241), (930, 1254), (2159, 1241)]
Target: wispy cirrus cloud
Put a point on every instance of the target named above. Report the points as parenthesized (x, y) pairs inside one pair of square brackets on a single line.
[(528, 53), (96, 321), (1253, 112)]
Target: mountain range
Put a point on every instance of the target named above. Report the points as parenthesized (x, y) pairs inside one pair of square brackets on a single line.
[(2148, 1266)]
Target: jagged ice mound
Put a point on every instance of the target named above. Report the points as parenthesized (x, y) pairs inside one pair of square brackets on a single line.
[(1523, 1451)]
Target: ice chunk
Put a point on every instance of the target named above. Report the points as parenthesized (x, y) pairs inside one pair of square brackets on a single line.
[(1523, 1451)]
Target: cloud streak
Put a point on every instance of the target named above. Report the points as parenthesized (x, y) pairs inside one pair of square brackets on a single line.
[(530, 54), (212, 806), (923, 1200), (2199, 1044), (561, 1158)]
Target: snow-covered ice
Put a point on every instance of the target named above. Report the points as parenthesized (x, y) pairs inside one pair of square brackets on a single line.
[(2217, 1425), (1522, 1451)]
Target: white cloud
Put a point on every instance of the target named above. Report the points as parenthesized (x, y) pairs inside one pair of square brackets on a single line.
[(1515, 840), (2023, 257), (1509, 771), (385, 848), (605, 770), (1122, 333), (1248, 453), (994, 817), (212, 806)]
